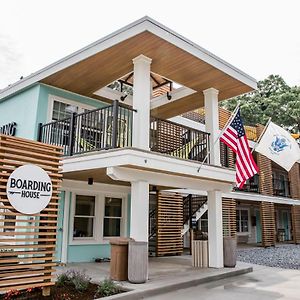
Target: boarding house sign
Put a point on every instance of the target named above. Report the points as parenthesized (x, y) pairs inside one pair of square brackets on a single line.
[(9, 129), (29, 189)]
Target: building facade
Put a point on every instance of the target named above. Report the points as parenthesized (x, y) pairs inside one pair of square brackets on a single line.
[(132, 163)]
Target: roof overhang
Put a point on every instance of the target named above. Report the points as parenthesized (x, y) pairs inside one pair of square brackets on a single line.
[(173, 56)]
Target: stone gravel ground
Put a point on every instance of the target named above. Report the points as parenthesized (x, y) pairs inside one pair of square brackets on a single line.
[(282, 256)]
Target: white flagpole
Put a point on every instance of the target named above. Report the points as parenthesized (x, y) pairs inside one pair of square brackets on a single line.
[(261, 135), (220, 134)]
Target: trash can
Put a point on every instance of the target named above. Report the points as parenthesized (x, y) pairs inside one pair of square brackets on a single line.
[(119, 259), (229, 247), (138, 262)]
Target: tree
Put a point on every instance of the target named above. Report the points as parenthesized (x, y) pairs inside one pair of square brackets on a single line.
[(273, 98)]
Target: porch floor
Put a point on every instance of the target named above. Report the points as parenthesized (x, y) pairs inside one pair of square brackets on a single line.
[(164, 273)]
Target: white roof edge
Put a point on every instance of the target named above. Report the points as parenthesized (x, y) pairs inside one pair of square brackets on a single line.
[(144, 24)]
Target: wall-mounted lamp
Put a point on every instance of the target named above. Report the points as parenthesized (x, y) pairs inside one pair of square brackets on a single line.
[(169, 96), (122, 98), (90, 181)]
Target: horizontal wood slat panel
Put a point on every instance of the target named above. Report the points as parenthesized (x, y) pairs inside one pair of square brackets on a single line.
[(169, 224), (268, 224), (229, 217), (296, 223), (27, 258)]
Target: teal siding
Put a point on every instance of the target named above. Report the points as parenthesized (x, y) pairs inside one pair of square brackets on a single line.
[(87, 253), (22, 109)]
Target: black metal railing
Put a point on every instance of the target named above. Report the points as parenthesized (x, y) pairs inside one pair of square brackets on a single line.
[(191, 204), (152, 223), (99, 129), (178, 140), (251, 185), (281, 187)]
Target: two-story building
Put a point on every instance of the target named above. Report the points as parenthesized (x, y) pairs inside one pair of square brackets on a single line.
[(115, 107)]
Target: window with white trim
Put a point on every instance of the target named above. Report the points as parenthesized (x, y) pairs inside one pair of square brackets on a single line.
[(242, 220), (62, 110), (112, 217), (84, 218)]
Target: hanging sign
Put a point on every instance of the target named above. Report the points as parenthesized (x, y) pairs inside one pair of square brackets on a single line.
[(29, 189)]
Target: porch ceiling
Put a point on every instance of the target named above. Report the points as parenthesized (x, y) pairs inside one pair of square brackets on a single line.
[(89, 75)]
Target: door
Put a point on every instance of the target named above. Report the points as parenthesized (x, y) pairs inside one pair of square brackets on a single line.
[(258, 227), (286, 224)]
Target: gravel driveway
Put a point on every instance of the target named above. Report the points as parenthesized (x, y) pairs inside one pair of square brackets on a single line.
[(282, 256)]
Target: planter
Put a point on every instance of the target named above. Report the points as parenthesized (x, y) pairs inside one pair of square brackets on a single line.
[(200, 254), (229, 247)]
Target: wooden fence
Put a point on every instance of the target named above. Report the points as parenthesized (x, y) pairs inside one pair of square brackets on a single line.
[(27, 242)]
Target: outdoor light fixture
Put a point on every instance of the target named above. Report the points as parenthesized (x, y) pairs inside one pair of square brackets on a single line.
[(169, 96), (90, 181), (122, 98)]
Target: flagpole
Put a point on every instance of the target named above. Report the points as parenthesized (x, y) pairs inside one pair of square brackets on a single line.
[(220, 134), (261, 135)]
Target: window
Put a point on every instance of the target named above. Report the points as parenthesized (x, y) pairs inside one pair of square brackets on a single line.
[(84, 218), (242, 220), (62, 110), (112, 217)]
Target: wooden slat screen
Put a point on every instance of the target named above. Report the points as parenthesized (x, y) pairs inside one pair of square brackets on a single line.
[(268, 224), (296, 223), (294, 177), (169, 224), (27, 242), (229, 217)]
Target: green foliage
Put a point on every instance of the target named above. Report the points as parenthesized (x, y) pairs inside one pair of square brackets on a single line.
[(76, 278), (273, 98), (107, 288)]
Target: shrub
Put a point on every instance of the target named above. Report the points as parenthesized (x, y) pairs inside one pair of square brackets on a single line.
[(76, 278), (107, 288), (63, 279)]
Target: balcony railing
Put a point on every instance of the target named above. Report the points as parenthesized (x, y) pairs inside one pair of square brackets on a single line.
[(99, 129), (177, 140), (251, 185), (111, 127), (281, 187)]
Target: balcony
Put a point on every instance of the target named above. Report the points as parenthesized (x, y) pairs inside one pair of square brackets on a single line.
[(111, 127), (251, 185), (281, 187)]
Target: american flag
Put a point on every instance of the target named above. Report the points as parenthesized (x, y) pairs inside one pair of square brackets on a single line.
[(234, 136)]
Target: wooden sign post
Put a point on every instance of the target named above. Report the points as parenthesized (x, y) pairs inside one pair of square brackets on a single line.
[(28, 240)]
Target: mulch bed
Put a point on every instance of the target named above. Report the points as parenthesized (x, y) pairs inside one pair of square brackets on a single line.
[(66, 292)]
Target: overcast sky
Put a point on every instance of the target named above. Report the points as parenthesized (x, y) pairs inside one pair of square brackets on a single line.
[(260, 37)]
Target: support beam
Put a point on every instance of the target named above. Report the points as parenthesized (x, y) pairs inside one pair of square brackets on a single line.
[(141, 102), (215, 229), (212, 123), (139, 213)]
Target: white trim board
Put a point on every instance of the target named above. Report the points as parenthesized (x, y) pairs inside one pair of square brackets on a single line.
[(152, 161), (141, 25)]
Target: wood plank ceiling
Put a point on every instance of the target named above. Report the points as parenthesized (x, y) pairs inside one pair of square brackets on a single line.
[(97, 71)]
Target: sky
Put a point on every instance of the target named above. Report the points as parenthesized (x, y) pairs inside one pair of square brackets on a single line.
[(260, 37)]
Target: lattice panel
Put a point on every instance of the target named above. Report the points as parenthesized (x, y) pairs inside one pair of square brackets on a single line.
[(268, 224), (229, 217), (27, 242), (296, 223), (169, 224)]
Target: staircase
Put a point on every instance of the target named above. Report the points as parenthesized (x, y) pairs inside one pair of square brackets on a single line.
[(197, 209)]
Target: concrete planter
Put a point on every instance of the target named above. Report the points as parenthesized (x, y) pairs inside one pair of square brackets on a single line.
[(229, 246)]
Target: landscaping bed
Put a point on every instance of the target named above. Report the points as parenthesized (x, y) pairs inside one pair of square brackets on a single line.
[(72, 285)]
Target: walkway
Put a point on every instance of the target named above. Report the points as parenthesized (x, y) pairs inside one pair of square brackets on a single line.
[(264, 283)]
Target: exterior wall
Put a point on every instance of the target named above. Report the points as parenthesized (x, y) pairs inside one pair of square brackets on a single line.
[(89, 250), (22, 109), (294, 177)]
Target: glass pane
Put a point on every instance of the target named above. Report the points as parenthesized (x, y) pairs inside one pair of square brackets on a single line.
[(113, 207), (244, 226), (112, 227), (85, 205), (83, 227)]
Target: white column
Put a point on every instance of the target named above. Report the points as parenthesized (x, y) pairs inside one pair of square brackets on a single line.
[(141, 102), (215, 229), (139, 213), (212, 123)]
